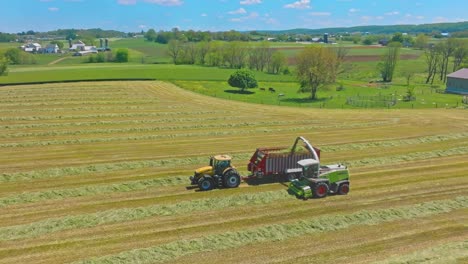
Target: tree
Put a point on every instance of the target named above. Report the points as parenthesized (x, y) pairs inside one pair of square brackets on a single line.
[(432, 55), (397, 37), (315, 68), (242, 79), (13, 55), (190, 53), (121, 55), (3, 66), (446, 50), (367, 41), (235, 53), (202, 50), (421, 41), (278, 60), (460, 53), (174, 50), (151, 35), (389, 61)]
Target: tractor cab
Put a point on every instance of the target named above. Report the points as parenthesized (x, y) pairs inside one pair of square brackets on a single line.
[(219, 163), (310, 168)]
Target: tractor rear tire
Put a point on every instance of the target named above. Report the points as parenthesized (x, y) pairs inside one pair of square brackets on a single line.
[(231, 179), (343, 189), (205, 184), (321, 190)]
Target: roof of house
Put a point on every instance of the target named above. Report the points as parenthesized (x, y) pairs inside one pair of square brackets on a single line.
[(460, 74)]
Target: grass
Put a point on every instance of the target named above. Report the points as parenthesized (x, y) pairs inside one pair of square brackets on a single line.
[(280, 232), (98, 171)]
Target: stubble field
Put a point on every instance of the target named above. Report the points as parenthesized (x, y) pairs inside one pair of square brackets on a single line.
[(97, 173)]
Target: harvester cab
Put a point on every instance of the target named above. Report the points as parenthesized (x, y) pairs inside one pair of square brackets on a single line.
[(220, 173)]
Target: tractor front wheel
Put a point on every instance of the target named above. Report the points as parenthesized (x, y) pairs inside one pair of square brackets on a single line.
[(205, 184), (320, 190), (343, 189), (231, 179)]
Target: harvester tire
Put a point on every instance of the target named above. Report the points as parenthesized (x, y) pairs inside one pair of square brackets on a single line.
[(231, 179), (321, 190), (205, 183), (343, 189)]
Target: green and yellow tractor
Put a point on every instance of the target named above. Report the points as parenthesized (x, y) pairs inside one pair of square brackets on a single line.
[(220, 173)]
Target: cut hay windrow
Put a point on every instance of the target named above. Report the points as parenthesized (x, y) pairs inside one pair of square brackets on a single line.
[(93, 109), (106, 102), (131, 214), (142, 129), (395, 143), (91, 190), (116, 122), (396, 159), (79, 170), (448, 253), (98, 116), (107, 167), (185, 135), (279, 232)]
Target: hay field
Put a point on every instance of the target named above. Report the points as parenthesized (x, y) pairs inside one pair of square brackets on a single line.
[(97, 173)]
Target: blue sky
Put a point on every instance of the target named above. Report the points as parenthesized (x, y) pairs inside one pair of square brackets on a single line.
[(218, 15)]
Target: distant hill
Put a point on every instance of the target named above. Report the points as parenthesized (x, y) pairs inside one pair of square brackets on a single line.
[(388, 29)]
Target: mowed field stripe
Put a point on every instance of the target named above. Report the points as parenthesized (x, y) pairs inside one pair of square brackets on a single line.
[(172, 251), (53, 197)]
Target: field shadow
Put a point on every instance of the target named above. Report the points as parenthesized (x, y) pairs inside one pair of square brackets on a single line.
[(238, 92)]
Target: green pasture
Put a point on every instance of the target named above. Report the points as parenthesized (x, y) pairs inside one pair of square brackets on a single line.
[(286, 94)]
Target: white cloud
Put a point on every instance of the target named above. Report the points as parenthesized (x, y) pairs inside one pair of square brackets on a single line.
[(53, 9), (238, 11), (252, 15), (126, 2), (353, 10), (158, 2), (250, 2), (301, 4), (204, 15), (379, 17), (320, 13), (166, 2), (393, 13), (439, 19), (142, 26), (420, 17)]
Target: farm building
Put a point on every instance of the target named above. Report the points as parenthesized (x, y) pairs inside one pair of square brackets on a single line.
[(52, 48), (457, 82), (31, 47)]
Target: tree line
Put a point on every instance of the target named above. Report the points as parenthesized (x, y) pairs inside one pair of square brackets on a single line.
[(236, 54), (439, 56)]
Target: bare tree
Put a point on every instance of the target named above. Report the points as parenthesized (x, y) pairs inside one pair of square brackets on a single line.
[(174, 50), (190, 52), (203, 50), (446, 50), (341, 53), (389, 61), (432, 55), (460, 53)]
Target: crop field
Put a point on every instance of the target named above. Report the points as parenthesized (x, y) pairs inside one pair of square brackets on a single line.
[(98, 173)]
